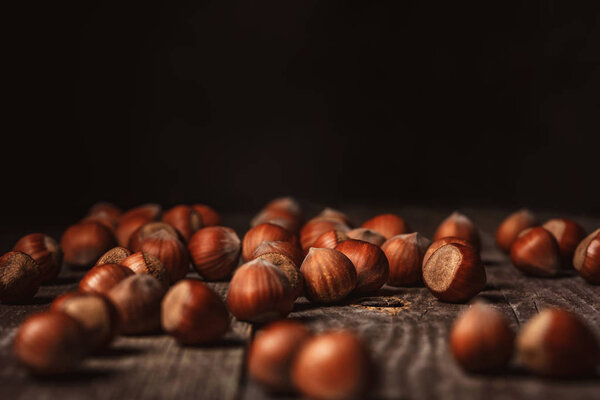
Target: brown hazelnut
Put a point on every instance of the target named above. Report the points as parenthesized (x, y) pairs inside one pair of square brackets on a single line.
[(114, 256), (170, 251), (133, 219), (510, 228), (330, 239), (105, 210), (315, 227), (535, 252), (287, 249), (557, 343), (144, 263), (335, 215), (441, 242), (45, 251), (259, 292), (96, 314), (371, 264), (405, 254), (209, 216), (460, 226), (149, 229), (291, 271), (287, 204), (328, 274), (137, 299), (85, 242), (264, 233), (102, 278), (193, 313), (20, 277), (481, 339), (332, 365), (587, 258), (568, 235), (185, 219), (366, 235), (388, 225), (276, 217), (215, 252), (50, 343), (272, 352), (454, 273)]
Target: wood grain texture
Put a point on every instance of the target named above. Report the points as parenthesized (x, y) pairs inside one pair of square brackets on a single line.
[(406, 328)]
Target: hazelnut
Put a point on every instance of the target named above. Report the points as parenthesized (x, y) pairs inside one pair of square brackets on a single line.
[(272, 352), (388, 225), (587, 258), (315, 227), (460, 226), (330, 239), (332, 365), (557, 343), (137, 299), (105, 210), (335, 215), (170, 251), (568, 235), (441, 242), (193, 313), (405, 254), (20, 277), (114, 256), (215, 252), (144, 263), (366, 235), (259, 292), (481, 339), (264, 233), (287, 249), (102, 278), (277, 217), (535, 252), (85, 242), (328, 274), (454, 273), (287, 204), (510, 228), (208, 215), (133, 219), (149, 229), (287, 266), (45, 251), (50, 343), (95, 313), (185, 219), (371, 264)]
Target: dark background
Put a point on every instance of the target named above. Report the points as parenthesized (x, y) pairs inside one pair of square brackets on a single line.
[(449, 104)]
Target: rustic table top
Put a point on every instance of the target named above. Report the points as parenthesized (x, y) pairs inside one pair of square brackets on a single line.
[(406, 328)]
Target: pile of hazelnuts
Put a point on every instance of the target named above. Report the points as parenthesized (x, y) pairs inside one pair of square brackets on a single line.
[(137, 262)]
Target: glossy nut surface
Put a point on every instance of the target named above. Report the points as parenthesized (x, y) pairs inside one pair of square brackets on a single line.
[(536, 253), (114, 256), (568, 235), (587, 258), (259, 292), (185, 219), (45, 251), (481, 339), (20, 277), (144, 263), (170, 251), (329, 275), (405, 255), (512, 225), (370, 262), (193, 313), (388, 225), (460, 226), (102, 278), (333, 365), (454, 273), (367, 235), (150, 229), (133, 219), (84, 243), (330, 239), (272, 352), (291, 271), (557, 343), (315, 227), (264, 233), (50, 343), (215, 252), (290, 250), (209, 216)]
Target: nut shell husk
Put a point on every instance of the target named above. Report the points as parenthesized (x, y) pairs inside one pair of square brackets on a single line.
[(45, 251), (290, 250), (20, 277), (114, 256), (144, 263), (264, 233), (170, 251), (102, 278)]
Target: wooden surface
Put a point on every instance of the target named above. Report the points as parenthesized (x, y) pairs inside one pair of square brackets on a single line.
[(406, 328)]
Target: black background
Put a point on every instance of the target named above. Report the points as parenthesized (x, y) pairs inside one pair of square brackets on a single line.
[(448, 104)]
